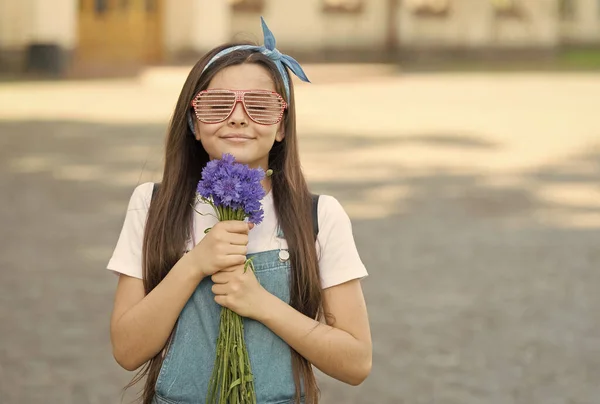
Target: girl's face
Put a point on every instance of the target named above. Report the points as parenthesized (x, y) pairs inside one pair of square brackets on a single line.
[(238, 135)]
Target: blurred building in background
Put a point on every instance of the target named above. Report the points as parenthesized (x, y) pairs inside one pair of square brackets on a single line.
[(61, 36)]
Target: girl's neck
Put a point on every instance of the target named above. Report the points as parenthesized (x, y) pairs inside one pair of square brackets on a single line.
[(266, 184)]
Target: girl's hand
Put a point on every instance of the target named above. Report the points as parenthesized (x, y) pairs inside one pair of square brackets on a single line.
[(240, 291), (224, 246)]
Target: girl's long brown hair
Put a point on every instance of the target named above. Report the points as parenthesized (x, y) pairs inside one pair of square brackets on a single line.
[(168, 226)]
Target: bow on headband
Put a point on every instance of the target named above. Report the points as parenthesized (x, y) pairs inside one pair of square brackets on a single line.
[(268, 49)]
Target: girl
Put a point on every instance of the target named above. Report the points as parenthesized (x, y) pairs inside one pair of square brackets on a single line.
[(174, 278)]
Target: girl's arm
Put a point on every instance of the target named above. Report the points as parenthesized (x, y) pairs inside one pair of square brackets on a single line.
[(140, 325), (341, 348)]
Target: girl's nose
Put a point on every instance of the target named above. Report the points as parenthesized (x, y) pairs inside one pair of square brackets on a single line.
[(238, 116)]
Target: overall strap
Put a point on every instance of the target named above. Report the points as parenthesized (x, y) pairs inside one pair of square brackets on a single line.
[(315, 213), (315, 207), (155, 190)]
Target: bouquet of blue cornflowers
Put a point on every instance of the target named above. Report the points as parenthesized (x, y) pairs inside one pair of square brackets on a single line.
[(234, 191)]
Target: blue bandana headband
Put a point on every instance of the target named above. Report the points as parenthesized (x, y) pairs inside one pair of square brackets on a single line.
[(268, 49)]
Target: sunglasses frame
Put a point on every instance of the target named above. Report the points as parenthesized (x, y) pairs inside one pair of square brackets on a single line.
[(239, 97)]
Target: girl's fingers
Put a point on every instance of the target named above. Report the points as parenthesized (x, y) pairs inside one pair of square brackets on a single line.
[(232, 261), (218, 289), (236, 226), (237, 239), (238, 250), (233, 268), (221, 300), (220, 277)]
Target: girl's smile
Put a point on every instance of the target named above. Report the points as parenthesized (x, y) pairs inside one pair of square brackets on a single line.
[(237, 137)]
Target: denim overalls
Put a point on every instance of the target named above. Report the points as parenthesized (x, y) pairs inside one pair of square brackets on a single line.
[(188, 364)]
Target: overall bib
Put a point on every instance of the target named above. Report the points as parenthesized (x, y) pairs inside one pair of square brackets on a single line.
[(188, 364)]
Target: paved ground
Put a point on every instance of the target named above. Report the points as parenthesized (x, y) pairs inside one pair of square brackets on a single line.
[(476, 207)]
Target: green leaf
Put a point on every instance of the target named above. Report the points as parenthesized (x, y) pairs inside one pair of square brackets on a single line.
[(232, 380), (236, 382), (249, 264)]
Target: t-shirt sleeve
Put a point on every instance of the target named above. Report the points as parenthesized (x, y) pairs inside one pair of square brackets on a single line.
[(339, 260), (127, 256)]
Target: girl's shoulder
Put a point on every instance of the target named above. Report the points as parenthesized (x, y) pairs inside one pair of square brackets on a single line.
[(141, 196), (127, 256), (339, 260), (330, 209)]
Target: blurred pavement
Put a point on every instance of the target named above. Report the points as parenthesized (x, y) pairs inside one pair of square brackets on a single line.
[(475, 202)]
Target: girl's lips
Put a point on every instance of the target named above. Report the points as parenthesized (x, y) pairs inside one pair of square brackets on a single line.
[(236, 138)]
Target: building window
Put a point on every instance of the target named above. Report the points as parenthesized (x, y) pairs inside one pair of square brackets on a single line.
[(429, 8), (255, 6), (100, 6), (343, 6), (508, 8), (150, 6), (567, 10)]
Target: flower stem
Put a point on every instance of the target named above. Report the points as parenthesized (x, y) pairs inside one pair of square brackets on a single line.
[(232, 380)]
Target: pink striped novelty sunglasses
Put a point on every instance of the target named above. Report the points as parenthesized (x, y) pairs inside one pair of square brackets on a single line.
[(216, 105)]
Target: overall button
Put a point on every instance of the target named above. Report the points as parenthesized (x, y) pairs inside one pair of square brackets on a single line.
[(284, 255)]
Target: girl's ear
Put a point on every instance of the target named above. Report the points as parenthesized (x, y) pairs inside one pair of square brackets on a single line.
[(280, 132), (193, 125), (196, 130)]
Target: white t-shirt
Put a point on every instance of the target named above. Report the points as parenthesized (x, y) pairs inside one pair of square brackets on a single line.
[(339, 261)]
